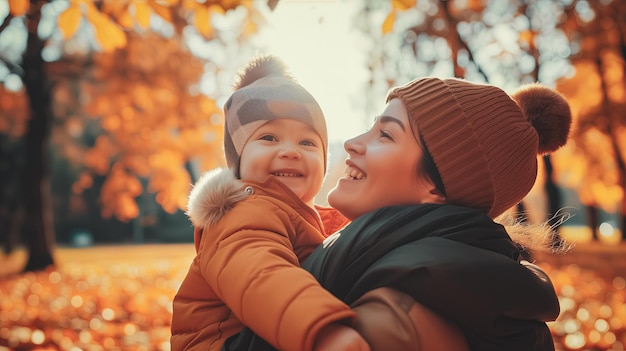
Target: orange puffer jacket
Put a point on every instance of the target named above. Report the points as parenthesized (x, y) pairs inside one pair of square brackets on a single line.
[(250, 239)]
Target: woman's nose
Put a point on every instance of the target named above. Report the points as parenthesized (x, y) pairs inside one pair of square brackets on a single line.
[(354, 145)]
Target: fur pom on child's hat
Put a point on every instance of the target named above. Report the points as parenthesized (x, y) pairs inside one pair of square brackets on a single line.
[(484, 142), (266, 91)]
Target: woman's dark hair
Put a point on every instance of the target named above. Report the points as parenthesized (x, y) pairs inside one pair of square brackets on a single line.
[(430, 168)]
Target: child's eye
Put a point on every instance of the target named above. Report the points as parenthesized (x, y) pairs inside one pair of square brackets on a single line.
[(267, 137), (307, 143)]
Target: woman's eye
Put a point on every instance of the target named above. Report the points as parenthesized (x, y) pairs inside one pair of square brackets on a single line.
[(384, 134), (267, 137)]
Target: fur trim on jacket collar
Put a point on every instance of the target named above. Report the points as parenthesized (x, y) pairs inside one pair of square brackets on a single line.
[(213, 195)]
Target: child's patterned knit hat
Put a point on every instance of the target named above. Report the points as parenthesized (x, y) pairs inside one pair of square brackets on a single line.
[(264, 92), (484, 142)]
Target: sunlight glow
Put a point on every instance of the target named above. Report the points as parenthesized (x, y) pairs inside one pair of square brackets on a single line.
[(317, 42), (608, 233), (606, 229)]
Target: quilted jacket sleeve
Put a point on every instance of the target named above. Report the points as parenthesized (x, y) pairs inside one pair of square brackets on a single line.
[(249, 261), (391, 320)]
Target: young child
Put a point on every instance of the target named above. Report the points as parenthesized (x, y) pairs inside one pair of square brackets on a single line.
[(255, 222)]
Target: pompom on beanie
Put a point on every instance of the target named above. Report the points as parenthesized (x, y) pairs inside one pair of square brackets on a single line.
[(265, 91), (484, 142)]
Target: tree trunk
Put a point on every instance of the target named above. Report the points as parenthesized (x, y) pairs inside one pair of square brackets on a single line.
[(622, 222), (552, 190), (593, 220), (554, 197), (11, 162), (39, 230), (621, 173)]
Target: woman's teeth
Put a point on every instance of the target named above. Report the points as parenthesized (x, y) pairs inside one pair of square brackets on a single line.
[(355, 174)]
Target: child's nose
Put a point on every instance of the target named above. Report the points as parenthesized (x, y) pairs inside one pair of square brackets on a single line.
[(289, 151)]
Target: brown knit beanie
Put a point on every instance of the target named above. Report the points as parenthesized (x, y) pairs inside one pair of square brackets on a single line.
[(484, 142), (264, 92)]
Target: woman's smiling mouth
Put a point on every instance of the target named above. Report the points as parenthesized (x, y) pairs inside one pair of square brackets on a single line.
[(355, 173)]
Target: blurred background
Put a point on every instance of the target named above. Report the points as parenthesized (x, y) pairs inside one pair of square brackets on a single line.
[(110, 110)]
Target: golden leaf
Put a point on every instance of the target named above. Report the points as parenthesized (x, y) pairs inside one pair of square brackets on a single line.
[(402, 5), (209, 106), (133, 186), (69, 20), (126, 208), (216, 9), (203, 22), (96, 161), (118, 36), (163, 11), (527, 37), (18, 7), (111, 122), (388, 23), (476, 5), (85, 180), (125, 20), (191, 4), (113, 8), (108, 34), (250, 28), (142, 14)]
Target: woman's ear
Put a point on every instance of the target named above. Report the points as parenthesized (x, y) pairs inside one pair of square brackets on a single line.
[(434, 196)]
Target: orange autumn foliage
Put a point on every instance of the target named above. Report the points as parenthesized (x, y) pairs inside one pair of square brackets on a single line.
[(593, 162), (18, 7), (13, 113), (138, 99), (588, 163), (110, 18), (151, 125)]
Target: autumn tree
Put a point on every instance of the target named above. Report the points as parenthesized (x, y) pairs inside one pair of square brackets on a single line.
[(594, 162), (148, 126), (153, 127)]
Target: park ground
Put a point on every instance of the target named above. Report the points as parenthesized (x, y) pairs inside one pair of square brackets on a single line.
[(119, 298)]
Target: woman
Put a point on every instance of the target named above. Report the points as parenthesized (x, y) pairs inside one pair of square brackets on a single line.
[(423, 188)]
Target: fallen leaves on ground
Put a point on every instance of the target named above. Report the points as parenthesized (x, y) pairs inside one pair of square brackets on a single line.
[(120, 298)]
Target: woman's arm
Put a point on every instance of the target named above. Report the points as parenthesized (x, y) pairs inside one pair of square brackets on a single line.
[(391, 320)]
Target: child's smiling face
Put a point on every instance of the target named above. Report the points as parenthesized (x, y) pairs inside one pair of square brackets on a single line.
[(289, 150)]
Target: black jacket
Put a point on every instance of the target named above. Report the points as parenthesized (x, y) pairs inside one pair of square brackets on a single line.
[(454, 260)]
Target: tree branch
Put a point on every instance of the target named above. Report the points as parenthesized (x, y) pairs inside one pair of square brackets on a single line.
[(453, 23), (6, 22), (12, 67)]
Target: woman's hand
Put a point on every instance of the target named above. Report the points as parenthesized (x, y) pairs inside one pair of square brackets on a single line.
[(338, 337)]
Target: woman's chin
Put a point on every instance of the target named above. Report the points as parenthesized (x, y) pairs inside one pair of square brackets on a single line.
[(340, 197), (334, 196)]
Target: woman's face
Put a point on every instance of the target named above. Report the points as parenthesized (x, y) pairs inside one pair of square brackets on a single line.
[(382, 167)]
